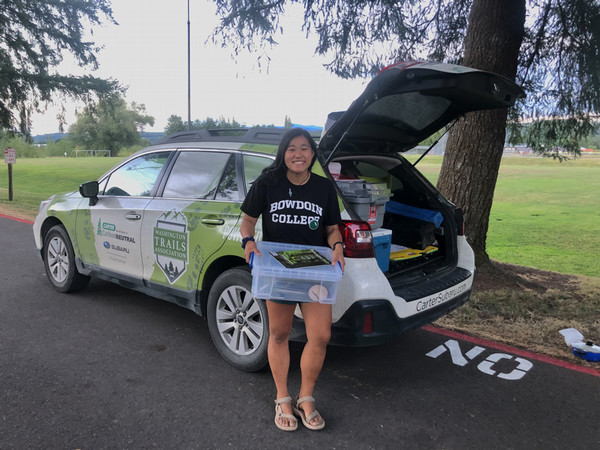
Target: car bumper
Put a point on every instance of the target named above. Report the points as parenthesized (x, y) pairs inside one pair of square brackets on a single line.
[(373, 322)]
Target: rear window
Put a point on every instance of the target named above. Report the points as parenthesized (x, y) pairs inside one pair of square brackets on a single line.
[(407, 111)]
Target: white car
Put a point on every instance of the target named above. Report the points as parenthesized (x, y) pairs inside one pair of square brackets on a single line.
[(166, 220)]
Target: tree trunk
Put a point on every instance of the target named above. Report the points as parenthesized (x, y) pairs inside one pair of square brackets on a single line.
[(475, 144)]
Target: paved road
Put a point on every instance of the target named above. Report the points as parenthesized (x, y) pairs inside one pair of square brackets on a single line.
[(109, 368)]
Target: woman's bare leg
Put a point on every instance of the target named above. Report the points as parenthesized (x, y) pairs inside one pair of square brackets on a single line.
[(317, 319), (280, 325)]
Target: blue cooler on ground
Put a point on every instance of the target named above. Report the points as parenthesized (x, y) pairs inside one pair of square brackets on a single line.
[(272, 280), (382, 241)]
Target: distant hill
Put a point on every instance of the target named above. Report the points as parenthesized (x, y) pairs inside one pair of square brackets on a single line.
[(43, 138), (308, 127)]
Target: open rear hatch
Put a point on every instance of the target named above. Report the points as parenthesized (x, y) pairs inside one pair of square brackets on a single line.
[(400, 108), (407, 102)]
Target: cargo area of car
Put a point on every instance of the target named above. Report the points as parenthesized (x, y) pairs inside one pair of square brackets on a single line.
[(412, 233)]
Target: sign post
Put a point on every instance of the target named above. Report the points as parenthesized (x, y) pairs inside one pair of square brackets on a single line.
[(10, 158)]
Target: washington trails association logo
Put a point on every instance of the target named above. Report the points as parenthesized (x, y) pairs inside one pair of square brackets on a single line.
[(171, 239)]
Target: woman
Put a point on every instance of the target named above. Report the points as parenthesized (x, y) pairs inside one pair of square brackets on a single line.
[(312, 220)]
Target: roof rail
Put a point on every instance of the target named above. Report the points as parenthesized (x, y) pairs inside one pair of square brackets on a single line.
[(249, 135)]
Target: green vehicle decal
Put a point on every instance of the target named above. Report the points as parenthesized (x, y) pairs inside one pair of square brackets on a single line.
[(171, 243)]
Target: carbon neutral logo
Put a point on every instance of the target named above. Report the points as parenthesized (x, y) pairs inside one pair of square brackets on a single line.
[(171, 237)]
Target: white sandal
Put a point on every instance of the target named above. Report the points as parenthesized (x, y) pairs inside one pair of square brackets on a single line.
[(306, 420), (279, 414)]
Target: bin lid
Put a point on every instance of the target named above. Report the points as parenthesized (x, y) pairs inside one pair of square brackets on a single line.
[(268, 265)]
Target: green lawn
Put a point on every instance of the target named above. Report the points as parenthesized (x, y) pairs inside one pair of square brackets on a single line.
[(35, 179), (545, 214)]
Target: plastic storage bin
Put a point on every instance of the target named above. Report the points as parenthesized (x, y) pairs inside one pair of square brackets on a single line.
[(367, 199), (382, 241), (271, 280)]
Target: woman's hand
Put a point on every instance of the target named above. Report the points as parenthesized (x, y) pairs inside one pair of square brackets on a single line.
[(334, 238), (338, 256), (249, 249), (247, 229)]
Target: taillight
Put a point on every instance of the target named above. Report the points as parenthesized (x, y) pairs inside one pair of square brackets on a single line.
[(358, 240)]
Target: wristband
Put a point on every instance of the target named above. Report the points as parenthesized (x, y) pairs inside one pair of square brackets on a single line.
[(246, 240), (336, 243)]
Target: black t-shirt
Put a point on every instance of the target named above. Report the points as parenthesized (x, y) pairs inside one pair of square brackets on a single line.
[(294, 214)]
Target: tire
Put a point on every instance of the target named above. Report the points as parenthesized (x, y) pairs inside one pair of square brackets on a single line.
[(59, 261), (238, 323)]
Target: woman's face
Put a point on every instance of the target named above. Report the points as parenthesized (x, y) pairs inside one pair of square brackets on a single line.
[(298, 155)]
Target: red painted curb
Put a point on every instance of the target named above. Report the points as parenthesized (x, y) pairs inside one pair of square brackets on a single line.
[(516, 351), (17, 220)]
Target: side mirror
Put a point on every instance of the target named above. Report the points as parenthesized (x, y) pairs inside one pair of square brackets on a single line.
[(90, 190)]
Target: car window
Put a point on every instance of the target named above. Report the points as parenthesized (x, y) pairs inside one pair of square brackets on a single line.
[(408, 111), (253, 167), (228, 188), (196, 175), (136, 177)]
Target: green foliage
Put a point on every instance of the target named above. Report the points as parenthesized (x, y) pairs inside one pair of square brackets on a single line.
[(109, 124), (63, 147), (176, 124), (558, 66), (127, 151), (592, 141), (23, 149), (34, 36)]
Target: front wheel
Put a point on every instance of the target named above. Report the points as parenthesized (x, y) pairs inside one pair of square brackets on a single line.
[(238, 322), (59, 261)]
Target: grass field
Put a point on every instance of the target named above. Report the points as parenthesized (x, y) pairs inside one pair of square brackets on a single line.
[(36, 179), (545, 214)]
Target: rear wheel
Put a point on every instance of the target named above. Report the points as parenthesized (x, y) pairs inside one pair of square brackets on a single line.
[(238, 322), (59, 261)]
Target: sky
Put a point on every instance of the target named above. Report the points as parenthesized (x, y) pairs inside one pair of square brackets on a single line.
[(147, 52)]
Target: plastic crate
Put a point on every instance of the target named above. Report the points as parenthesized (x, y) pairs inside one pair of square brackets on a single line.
[(376, 192), (369, 211), (367, 199), (271, 280)]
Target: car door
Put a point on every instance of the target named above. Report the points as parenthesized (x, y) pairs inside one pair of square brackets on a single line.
[(114, 223), (190, 221)]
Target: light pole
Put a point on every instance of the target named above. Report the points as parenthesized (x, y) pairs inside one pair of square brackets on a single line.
[(189, 82)]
